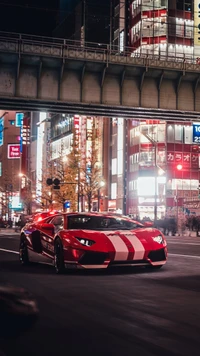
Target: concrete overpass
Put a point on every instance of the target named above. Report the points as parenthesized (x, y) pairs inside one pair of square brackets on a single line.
[(59, 75)]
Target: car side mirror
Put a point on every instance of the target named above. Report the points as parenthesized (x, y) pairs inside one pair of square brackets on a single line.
[(148, 223), (47, 226)]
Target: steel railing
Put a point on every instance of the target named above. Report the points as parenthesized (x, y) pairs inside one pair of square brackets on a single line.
[(59, 47)]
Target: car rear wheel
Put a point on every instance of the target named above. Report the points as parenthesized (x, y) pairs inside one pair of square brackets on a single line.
[(59, 257), (23, 252)]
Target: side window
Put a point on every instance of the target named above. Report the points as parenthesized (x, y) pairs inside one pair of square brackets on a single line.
[(57, 221)]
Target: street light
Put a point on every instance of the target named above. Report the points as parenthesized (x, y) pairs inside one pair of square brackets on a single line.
[(101, 184)]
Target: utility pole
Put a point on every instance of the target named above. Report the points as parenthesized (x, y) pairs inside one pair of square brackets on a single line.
[(111, 22)]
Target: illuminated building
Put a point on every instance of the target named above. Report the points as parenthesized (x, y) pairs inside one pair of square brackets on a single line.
[(164, 28), (168, 152)]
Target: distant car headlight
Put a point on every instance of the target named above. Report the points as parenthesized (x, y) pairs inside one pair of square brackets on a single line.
[(85, 242), (159, 239)]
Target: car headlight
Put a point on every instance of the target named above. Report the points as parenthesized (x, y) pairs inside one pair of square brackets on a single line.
[(159, 239), (85, 242)]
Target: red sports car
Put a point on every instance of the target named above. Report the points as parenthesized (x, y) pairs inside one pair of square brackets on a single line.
[(93, 240)]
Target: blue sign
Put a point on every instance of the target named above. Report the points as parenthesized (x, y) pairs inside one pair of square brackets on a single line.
[(67, 204), (21, 135), (196, 132), (19, 119), (1, 130), (19, 207)]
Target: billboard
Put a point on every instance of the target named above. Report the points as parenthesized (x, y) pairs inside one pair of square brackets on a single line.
[(196, 27), (13, 151), (196, 132), (19, 119), (14, 202)]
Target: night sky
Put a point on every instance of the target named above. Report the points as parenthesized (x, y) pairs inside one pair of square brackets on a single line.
[(37, 17), (41, 17)]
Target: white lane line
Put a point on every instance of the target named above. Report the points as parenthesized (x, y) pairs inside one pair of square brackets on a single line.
[(6, 237), (44, 263), (169, 254), (179, 255), (183, 243), (17, 253), (10, 251)]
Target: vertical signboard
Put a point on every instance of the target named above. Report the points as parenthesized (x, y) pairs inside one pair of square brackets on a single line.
[(1, 130), (19, 119), (13, 151), (25, 138)]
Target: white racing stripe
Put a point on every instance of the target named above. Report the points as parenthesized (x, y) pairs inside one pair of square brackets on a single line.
[(10, 251), (137, 245), (121, 250)]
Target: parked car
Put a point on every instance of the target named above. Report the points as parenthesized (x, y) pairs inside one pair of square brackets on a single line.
[(93, 240)]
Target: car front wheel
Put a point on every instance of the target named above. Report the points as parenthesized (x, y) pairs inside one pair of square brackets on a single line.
[(59, 257), (23, 252)]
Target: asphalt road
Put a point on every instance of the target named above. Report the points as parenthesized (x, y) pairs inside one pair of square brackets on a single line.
[(119, 312)]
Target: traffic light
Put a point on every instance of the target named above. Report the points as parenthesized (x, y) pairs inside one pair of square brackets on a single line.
[(55, 182), (49, 181)]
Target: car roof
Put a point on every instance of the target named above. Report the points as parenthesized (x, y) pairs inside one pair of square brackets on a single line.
[(97, 214)]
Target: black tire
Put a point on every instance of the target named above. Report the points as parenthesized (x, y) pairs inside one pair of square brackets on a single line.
[(59, 257), (23, 252)]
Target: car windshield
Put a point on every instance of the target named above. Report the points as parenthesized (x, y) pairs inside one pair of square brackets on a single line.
[(101, 223)]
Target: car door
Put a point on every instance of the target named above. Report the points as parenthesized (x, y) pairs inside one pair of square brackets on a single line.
[(58, 222), (48, 231)]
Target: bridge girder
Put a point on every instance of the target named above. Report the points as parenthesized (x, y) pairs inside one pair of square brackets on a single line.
[(36, 74)]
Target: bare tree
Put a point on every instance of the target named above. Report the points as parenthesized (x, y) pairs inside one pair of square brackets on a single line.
[(77, 178), (92, 174), (64, 168)]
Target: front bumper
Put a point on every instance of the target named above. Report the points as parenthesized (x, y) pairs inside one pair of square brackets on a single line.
[(98, 260)]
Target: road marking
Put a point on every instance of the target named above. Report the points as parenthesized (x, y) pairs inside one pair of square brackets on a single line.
[(184, 243), (17, 253), (7, 237), (169, 254), (179, 255), (10, 251), (44, 263)]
